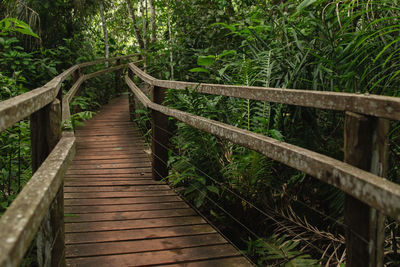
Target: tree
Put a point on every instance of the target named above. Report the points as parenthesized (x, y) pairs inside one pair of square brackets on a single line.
[(104, 25), (153, 23), (132, 16)]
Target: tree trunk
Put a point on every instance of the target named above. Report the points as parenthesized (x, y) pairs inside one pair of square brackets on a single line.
[(103, 19), (143, 9), (153, 21), (171, 56), (135, 27)]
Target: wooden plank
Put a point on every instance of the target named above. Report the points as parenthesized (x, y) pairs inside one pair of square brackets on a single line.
[(110, 171), (110, 198), (140, 175), (122, 194), (111, 177), (126, 207), (106, 182), (110, 127), (136, 149), (109, 139), (125, 247), (133, 141), (129, 215), (134, 188), (110, 145), (110, 154), (223, 262), (108, 133), (131, 159), (111, 165), (138, 234), (121, 200), (104, 144), (373, 105), (157, 257), (131, 224), (101, 124), (20, 222)]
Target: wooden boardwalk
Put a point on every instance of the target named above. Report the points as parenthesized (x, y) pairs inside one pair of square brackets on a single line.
[(116, 215)]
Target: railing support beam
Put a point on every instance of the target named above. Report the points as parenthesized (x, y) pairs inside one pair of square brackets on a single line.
[(45, 134), (75, 77), (118, 77), (160, 138), (132, 101), (365, 146)]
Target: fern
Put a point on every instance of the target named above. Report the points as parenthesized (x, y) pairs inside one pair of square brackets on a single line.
[(280, 252)]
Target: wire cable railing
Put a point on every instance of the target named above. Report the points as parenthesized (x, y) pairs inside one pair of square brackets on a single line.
[(341, 175), (52, 150)]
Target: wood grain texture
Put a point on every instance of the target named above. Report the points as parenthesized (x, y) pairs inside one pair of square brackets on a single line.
[(373, 105), (371, 189), (117, 215), (152, 258), (20, 222)]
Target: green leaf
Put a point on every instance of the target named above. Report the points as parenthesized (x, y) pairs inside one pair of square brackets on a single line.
[(200, 199), (199, 70), (15, 25), (305, 4), (205, 60), (226, 53), (276, 134), (213, 189), (201, 179), (230, 27)]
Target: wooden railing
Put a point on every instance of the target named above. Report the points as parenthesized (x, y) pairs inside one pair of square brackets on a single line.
[(39, 207), (360, 176)]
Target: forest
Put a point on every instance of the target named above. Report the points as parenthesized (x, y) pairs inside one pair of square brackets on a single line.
[(276, 215)]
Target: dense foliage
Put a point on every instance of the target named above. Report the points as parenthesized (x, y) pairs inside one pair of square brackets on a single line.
[(315, 45), (277, 215)]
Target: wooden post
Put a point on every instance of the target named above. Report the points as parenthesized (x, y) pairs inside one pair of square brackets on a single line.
[(45, 134), (118, 75), (366, 147), (160, 137), (132, 103), (75, 77), (132, 107)]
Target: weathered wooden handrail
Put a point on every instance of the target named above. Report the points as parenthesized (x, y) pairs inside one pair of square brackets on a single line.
[(360, 176), (20, 107), (371, 189), (99, 61), (373, 105), (40, 204), (76, 86), (23, 218)]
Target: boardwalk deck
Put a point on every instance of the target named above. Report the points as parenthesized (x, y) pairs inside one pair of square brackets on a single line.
[(116, 215)]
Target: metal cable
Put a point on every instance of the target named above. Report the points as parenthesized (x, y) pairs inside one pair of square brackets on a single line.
[(243, 199), (278, 189)]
